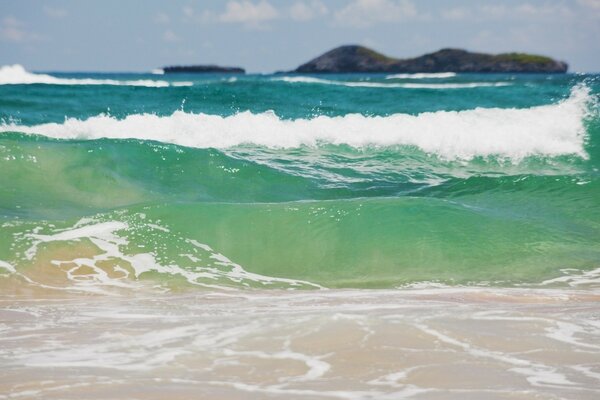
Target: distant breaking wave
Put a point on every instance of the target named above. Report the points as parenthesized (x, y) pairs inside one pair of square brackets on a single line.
[(17, 75), (308, 79), (549, 130), (423, 75)]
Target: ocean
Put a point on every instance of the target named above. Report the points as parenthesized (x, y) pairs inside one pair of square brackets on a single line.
[(359, 236)]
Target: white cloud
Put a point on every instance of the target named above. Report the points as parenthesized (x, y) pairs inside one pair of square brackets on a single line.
[(13, 30), (305, 11), (206, 16), (253, 14), (55, 12), (162, 18), (363, 13), (170, 36), (526, 11), (250, 14), (188, 11), (593, 4), (544, 10), (455, 14), (492, 11), (547, 10)]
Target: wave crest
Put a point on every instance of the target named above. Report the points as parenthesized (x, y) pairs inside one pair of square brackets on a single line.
[(549, 130), (17, 75)]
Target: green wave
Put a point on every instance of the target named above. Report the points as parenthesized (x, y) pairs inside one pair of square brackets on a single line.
[(99, 175), (331, 216), (381, 243)]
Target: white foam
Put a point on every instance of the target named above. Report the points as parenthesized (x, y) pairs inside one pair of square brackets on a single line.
[(537, 374), (561, 331), (303, 344), (424, 285), (301, 79), (512, 134), (423, 75), (7, 266), (104, 236), (576, 278), (568, 333), (17, 75), (587, 371), (99, 230), (316, 367), (465, 85)]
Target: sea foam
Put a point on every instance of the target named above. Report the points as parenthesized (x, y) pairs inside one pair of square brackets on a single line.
[(548, 130), (385, 85), (214, 271), (17, 75), (423, 75)]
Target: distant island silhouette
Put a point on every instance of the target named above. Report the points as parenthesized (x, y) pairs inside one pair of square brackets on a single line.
[(357, 59), (354, 58)]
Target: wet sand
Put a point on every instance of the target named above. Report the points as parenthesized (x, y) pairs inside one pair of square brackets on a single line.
[(437, 343)]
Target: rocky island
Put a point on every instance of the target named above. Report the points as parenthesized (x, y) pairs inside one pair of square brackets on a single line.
[(205, 69), (353, 58)]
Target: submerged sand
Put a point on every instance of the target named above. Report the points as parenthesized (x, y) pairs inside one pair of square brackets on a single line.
[(438, 343)]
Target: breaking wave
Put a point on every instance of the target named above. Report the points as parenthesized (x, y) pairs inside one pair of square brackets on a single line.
[(17, 75), (548, 130)]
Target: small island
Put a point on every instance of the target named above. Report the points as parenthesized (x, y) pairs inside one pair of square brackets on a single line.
[(203, 69), (354, 58)]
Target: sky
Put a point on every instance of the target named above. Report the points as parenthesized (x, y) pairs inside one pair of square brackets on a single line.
[(270, 35)]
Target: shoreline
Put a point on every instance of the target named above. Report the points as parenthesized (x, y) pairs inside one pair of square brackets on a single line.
[(345, 344)]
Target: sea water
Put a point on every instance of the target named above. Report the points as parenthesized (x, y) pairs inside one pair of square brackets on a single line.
[(292, 236)]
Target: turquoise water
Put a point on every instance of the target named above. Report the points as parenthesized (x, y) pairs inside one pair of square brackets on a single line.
[(300, 181)]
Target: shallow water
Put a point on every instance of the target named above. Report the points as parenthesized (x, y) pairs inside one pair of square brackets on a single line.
[(422, 344)]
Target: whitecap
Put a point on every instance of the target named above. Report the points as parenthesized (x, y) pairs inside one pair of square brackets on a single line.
[(17, 75), (508, 133)]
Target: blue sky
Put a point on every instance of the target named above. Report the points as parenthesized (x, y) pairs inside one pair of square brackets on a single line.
[(269, 35)]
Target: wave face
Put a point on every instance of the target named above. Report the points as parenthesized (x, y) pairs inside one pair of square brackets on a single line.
[(262, 183), (17, 75)]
